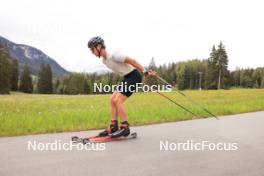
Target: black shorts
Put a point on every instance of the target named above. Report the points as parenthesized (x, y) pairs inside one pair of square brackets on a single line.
[(128, 85)]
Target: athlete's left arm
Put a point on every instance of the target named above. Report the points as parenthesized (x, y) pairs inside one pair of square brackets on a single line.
[(134, 63)]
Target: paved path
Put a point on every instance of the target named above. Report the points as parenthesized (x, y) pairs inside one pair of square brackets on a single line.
[(142, 156)]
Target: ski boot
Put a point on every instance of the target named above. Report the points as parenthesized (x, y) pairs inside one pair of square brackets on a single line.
[(123, 131), (111, 129)]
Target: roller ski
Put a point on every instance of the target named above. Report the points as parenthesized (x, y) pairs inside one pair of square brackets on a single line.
[(113, 133)]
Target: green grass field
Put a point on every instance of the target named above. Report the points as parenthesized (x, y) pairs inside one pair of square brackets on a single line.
[(22, 114)]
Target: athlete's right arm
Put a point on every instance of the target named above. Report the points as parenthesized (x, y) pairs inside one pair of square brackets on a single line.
[(138, 66), (134, 63)]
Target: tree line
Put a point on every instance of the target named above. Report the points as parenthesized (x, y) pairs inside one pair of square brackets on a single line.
[(211, 73)]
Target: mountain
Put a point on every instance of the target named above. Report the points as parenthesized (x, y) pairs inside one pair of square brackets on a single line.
[(99, 69), (32, 56)]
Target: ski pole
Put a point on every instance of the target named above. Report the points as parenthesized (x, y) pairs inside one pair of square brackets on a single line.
[(191, 100), (178, 104)]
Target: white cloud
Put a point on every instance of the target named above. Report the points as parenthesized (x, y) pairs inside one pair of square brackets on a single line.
[(168, 30)]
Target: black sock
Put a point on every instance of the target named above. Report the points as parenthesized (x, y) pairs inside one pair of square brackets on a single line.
[(124, 122)]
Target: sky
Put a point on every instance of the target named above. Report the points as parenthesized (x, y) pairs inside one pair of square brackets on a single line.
[(168, 30)]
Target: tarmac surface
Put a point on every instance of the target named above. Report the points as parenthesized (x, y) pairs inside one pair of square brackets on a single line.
[(230, 146)]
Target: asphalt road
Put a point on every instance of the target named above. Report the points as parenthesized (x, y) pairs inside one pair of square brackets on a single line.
[(146, 155)]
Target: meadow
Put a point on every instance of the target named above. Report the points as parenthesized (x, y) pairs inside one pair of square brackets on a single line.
[(22, 114)]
